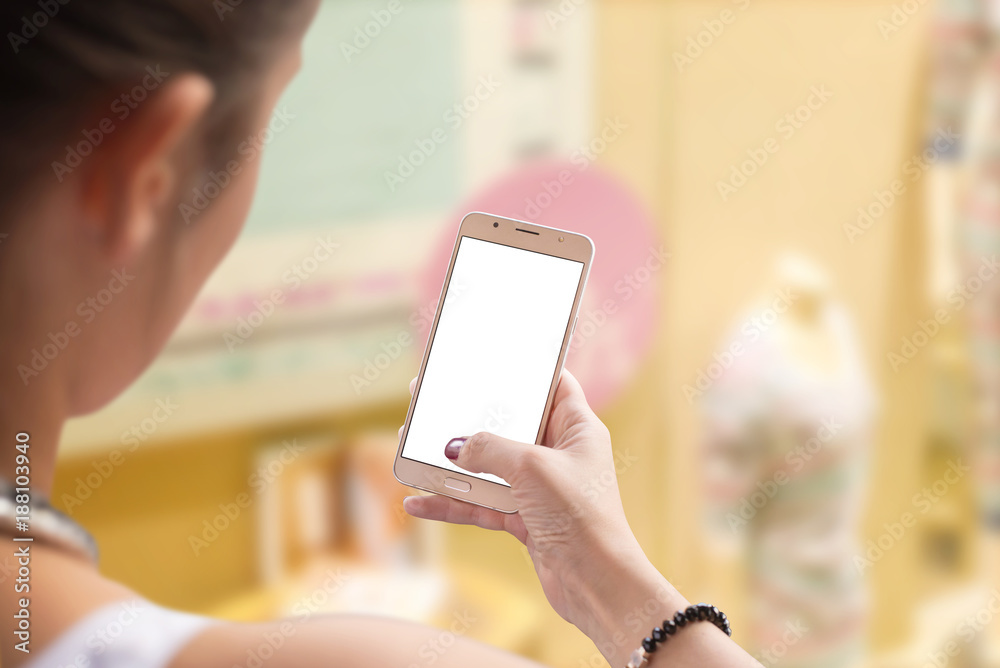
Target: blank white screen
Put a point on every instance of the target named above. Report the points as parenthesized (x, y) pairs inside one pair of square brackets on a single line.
[(495, 350)]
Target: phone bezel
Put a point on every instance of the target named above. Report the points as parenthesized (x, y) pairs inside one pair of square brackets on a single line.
[(537, 238)]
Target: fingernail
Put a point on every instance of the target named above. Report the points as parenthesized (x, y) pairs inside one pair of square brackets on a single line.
[(454, 447)]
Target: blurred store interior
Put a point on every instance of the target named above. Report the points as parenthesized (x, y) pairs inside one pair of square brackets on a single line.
[(791, 328)]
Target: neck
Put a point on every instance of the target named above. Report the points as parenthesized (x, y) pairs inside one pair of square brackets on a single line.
[(22, 413), (33, 385), (30, 403)]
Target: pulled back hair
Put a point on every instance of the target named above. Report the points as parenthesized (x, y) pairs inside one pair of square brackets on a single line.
[(64, 63)]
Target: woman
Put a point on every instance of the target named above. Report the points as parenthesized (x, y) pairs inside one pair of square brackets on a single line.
[(92, 190)]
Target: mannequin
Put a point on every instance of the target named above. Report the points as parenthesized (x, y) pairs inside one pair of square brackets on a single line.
[(787, 431)]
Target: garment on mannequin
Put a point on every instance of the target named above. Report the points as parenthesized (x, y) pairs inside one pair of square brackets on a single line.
[(787, 433)]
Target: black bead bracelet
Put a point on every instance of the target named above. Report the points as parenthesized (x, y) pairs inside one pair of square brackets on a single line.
[(694, 613)]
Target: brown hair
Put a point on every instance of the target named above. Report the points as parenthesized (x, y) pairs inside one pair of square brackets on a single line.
[(66, 65)]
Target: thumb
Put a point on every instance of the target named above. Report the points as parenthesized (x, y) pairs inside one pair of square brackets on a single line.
[(489, 453)]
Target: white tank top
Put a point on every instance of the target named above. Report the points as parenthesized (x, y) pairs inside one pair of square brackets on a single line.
[(128, 634)]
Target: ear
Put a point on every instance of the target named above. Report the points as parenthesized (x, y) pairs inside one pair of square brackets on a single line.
[(135, 172)]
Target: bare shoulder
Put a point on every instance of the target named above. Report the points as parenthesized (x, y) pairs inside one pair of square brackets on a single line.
[(63, 590), (343, 640), (56, 589)]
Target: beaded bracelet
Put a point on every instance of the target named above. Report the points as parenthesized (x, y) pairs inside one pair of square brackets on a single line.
[(695, 613)]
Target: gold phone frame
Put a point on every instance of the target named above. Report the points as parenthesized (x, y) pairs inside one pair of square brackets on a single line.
[(521, 235)]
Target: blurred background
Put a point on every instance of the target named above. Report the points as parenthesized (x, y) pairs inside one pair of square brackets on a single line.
[(792, 328)]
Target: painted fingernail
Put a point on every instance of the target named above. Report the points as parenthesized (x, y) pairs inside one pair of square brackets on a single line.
[(454, 447)]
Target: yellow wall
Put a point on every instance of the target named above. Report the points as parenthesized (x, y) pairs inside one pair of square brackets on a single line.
[(684, 137)]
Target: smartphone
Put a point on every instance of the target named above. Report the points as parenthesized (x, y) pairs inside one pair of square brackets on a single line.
[(503, 324)]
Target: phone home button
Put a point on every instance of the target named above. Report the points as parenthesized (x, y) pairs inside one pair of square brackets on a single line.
[(457, 485)]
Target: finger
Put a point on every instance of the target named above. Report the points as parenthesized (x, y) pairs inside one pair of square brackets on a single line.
[(489, 453), (399, 434), (453, 511), (570, 393), (569, 408)]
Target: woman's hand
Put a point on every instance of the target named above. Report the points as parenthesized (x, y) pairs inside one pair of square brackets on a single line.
[(570, 517)]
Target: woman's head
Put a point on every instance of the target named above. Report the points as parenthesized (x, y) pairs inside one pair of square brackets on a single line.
[(113, 113)]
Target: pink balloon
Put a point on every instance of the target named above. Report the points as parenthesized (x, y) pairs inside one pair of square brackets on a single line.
[(618, 315)]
